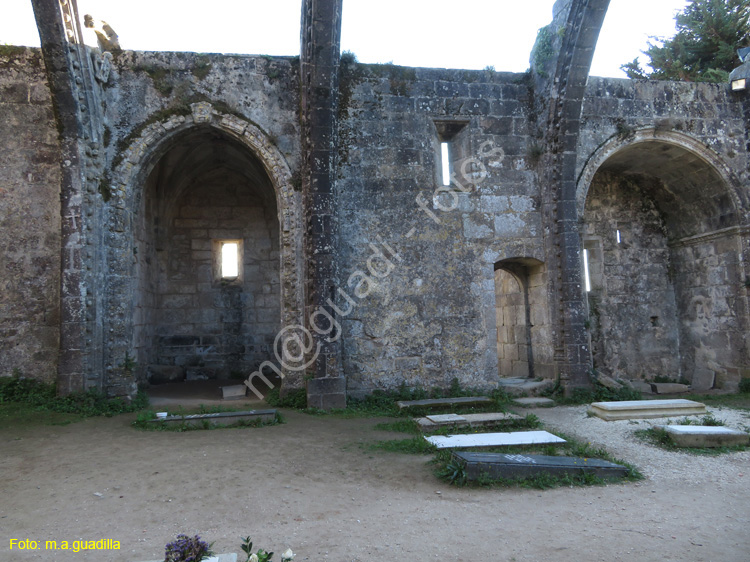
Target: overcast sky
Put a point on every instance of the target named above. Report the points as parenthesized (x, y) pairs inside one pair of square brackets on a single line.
[(437, 33)]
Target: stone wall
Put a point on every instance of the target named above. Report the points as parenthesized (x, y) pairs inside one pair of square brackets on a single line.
[(29, 218), (431, 317)]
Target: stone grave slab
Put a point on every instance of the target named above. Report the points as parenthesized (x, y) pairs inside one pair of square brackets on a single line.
[(433, 422), (494, 439), (233, 392), (500, 465), (706, 436), (445, 418), (219, 418), (442, 402), (533, 402), (644, 409)]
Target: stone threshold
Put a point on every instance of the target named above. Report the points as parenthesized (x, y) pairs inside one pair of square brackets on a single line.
[(217, 418)]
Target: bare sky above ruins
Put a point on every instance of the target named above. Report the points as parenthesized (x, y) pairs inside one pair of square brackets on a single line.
[(438, 33)]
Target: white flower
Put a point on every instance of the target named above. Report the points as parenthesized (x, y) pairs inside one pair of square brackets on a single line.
[(253, 558), (288, 555)]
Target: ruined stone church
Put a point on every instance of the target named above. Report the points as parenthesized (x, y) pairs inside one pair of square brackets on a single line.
[(344, 227)]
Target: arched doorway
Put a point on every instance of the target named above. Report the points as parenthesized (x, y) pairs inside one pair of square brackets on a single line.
[(663, 252), (524, 338)]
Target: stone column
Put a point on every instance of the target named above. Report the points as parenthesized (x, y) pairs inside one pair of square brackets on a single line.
[(560, 65), (76, 101), (319, 69)]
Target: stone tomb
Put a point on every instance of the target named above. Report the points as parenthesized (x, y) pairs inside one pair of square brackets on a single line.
[(494, 439), (643, 409), (436, 421), (705, 436), (443, 402), (220, 418), (500, 465)]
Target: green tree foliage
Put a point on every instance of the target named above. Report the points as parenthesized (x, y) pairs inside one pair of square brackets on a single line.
[(709, 32)]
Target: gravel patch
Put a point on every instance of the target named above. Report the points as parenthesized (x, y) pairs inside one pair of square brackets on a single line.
[(658, 465)]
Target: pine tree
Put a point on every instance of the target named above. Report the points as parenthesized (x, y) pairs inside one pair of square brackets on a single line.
[(709, 32)]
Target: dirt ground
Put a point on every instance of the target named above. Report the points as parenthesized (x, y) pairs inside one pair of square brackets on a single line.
[(311, 484)]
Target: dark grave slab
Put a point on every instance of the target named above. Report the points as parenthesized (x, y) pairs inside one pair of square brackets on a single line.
[(219, 418), (444, 402), (501, 465)]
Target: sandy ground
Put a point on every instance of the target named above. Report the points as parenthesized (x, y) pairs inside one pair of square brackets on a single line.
[(312, 485)]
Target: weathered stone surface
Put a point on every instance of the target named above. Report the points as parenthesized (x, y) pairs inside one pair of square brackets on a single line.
[(330, 180), (534, 402), (494, 439), (499, 465), (644, 409), (669, 388), (706, 436), (434, 422), (444, 402)]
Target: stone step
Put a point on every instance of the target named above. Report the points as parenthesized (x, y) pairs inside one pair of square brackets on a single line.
[(534, 402), (643, 409), (219, 418), (443, 402), (500, 465), (436, 421), (494, 439), (705, 436)]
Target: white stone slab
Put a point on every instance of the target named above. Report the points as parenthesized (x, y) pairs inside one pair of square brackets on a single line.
[(494, 439), (707, 429), (643, 409), (446, 418)]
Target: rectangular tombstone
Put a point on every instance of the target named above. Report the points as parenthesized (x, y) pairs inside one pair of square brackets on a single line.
[(440, 402), (494, 439), (644, 409), (500, 465)]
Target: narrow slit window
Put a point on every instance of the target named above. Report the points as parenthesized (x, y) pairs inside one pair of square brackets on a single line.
[(586, 276), (618, 236), (445, 157), (230, 262)]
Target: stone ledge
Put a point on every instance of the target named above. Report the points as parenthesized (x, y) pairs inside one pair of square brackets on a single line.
[(432, 423)]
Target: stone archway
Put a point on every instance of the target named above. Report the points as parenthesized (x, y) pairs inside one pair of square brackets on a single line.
[(664, 241), (135, 303)]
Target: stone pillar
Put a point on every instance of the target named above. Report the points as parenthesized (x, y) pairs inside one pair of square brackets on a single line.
[(319, 69), (76, 101), (560, 65)]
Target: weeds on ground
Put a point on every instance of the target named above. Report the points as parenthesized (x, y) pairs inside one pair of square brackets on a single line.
[(597, 393), (382, 403), (29, 395)]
